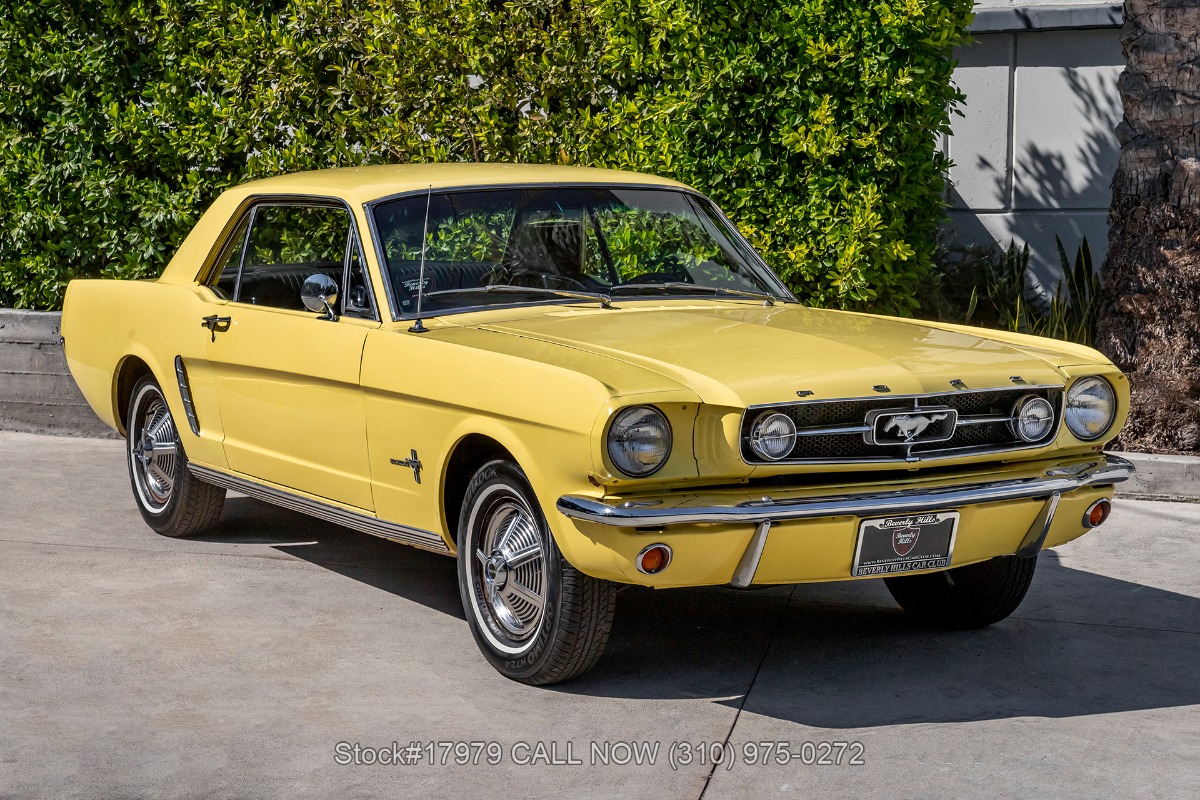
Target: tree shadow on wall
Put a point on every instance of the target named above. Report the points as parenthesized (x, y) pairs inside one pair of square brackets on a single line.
[(1046, 178)]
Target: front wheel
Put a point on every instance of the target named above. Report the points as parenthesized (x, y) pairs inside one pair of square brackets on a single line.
[(172, 501), (965, 597), (536, 618)]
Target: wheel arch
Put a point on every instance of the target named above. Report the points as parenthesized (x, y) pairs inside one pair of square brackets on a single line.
[(129, 371), (466, 457)]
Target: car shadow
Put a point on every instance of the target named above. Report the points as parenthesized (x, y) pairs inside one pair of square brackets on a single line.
[(416, 575), (837, 655), (845, 656)]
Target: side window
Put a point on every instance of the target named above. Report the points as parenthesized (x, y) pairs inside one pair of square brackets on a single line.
[(286, 245), (226, 284), (357, 294)]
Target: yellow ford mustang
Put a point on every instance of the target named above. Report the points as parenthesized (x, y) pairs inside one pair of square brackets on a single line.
[(574, 378)]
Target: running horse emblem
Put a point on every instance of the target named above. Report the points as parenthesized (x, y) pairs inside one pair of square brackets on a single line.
[(910, 426)]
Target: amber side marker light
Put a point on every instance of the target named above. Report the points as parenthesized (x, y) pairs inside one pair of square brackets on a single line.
[(1096, 514), (654, 559)]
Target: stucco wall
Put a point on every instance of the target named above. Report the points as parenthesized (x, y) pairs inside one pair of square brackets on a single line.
[(1035, 150)]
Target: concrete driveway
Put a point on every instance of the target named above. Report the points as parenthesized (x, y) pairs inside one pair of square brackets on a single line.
[(250, 662)]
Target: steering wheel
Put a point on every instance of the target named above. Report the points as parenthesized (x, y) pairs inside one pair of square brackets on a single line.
[(663, 268), (505, 276), (563, 282)]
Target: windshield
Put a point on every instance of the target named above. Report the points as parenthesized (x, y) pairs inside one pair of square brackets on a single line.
[(482, 247)]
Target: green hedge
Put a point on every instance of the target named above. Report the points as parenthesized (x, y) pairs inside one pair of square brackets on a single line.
[(812, 122)]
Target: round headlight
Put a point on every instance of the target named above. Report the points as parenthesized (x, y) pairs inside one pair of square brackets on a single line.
[(1091, 407), (639, 441), (1032, 418), (773, 435)]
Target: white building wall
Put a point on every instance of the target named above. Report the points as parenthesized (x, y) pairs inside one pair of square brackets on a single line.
[(1034, 152), (989, 4)]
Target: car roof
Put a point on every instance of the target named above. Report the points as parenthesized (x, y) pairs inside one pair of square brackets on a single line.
[(364, 184)]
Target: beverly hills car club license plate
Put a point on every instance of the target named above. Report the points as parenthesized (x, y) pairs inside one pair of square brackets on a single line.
[(891, 545)]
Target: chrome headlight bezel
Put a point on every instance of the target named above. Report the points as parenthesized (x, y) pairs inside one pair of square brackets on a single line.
[(756, 434), (1072, 407), (1024, 404), (633, 421)]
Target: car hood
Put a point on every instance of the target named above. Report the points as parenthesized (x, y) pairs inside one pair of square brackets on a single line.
[(742, 354)]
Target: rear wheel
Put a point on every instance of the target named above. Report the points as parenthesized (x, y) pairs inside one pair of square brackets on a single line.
[(536, 618), (965, 597), (171, 500)]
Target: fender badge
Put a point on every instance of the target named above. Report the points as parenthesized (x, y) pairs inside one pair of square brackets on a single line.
[(413, 463)]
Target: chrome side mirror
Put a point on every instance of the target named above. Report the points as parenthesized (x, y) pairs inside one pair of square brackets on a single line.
[(320, 294)]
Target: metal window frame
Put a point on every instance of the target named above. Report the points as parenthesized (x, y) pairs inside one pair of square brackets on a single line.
[(249, 212)]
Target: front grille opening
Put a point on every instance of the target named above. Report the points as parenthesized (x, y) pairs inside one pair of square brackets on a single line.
[(973, 435)]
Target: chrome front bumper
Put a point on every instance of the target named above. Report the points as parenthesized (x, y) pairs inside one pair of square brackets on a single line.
[(1101, 469)]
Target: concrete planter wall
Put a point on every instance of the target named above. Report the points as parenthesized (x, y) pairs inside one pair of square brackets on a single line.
[(37, 393)]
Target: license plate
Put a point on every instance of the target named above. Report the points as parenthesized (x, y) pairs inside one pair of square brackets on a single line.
[(890, 545)]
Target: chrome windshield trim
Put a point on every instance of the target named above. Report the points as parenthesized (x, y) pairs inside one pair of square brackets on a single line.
[(425, 540), (1100, 470)]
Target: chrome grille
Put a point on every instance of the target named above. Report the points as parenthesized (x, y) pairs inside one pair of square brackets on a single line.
[(832, 431)]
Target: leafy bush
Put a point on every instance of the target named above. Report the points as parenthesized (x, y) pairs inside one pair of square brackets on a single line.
[(812, 122)]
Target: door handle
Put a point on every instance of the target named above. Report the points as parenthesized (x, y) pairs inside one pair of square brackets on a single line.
[(214, 322)]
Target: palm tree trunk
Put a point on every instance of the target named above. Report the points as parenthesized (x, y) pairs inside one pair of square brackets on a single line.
[(1150, 319)]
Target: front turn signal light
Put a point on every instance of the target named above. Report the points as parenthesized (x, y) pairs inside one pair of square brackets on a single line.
[(1096, 514), (654, 559)]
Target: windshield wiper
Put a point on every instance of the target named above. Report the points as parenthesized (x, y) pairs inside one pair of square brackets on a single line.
[(603, 299), (769, 299)]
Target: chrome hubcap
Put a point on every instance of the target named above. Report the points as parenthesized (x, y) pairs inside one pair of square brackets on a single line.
[(152, 451), (512, 569)]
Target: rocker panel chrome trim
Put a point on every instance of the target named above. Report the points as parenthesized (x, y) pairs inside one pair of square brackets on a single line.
[(425, 540)]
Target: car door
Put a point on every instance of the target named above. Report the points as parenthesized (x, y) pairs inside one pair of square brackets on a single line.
[(288, 378)]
